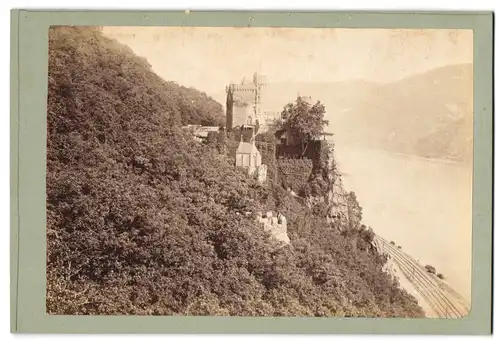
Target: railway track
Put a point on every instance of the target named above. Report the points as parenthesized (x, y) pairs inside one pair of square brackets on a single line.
[(444, 301)]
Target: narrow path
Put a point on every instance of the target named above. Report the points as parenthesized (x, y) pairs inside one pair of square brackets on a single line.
[(444, 301)]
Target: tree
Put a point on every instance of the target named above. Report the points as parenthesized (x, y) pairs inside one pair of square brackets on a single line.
[(305, 122), (354, 210), (430, 269)]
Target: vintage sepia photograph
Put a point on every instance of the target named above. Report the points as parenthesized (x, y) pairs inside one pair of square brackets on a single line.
[(259, 171)]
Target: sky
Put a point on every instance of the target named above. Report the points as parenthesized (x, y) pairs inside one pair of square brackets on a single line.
[(210, 58)]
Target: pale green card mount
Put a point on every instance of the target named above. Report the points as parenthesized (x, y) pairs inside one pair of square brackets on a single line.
[(29, 49)]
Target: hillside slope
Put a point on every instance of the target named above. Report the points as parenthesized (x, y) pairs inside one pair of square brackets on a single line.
[(143, 220), (403, 115), (451, 141)]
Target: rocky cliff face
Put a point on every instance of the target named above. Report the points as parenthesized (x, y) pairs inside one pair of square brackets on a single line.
[(325, 185)]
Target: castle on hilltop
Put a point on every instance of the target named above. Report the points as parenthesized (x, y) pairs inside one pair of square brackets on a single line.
[(258, 103)]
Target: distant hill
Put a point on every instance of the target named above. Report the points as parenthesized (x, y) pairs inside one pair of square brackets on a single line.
[(429, 114)]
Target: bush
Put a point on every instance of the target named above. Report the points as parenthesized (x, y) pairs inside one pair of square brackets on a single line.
[(399, 247), (440, 275), (393, 243), (430, 269)]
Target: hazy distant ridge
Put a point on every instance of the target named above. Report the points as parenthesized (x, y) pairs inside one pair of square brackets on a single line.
[(429, 114)]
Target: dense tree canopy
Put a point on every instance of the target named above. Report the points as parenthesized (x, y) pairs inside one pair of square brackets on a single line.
[(83, 60), (142, 219)]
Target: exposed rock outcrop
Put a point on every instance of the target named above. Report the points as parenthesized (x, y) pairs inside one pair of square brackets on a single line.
[(325, 184)]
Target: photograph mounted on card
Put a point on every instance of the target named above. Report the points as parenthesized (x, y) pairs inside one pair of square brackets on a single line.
[(247, 172)]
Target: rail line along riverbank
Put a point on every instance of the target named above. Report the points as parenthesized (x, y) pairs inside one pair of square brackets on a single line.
[(440, 299), (424, 206)]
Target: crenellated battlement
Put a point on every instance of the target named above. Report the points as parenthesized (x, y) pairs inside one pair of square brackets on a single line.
[(248, 103)]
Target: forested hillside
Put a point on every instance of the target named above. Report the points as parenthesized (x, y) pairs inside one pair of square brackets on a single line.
[(143, 220)]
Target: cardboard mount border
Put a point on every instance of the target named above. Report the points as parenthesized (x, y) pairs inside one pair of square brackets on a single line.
[(29, 32)]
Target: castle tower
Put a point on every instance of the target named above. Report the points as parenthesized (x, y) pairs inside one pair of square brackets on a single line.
[(260, 82), (239, 104), (229, 108), (244, 105)]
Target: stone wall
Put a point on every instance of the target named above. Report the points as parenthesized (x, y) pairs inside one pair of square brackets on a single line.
[(295, 151), (258, 172), (262, 174), (293, 174), (315, 169), (268, 151), (275, 224)]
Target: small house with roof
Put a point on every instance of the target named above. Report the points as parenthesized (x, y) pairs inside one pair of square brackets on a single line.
[(249, 157)]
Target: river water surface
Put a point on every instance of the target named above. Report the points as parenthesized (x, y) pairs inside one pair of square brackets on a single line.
[(423, 205)]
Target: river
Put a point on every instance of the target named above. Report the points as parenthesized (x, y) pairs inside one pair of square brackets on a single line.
[(423, 205)]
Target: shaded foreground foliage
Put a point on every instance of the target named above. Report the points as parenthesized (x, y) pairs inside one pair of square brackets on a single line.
[(143, 220)]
